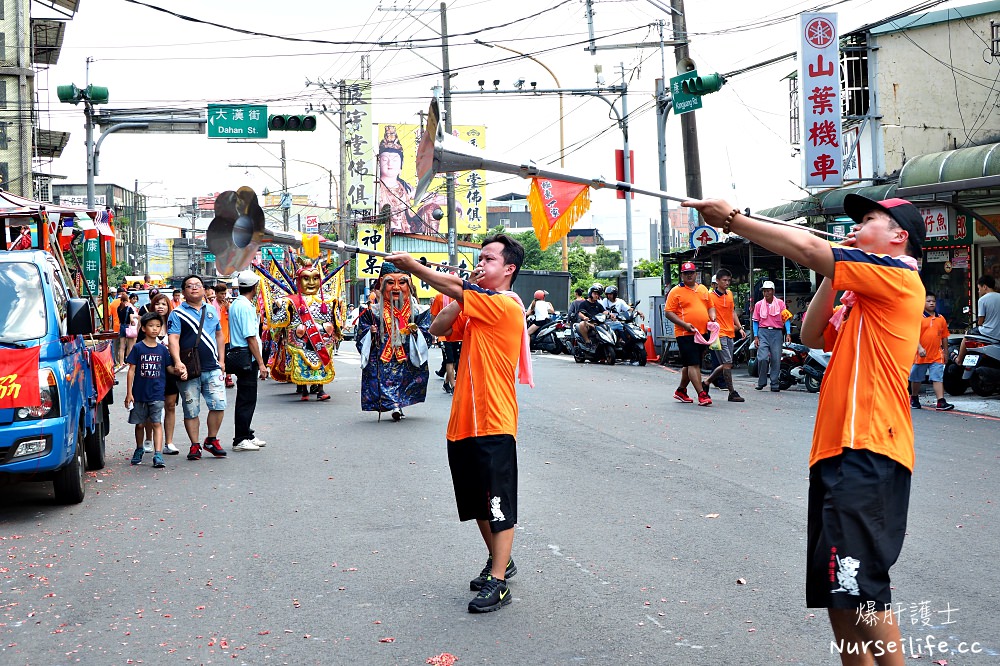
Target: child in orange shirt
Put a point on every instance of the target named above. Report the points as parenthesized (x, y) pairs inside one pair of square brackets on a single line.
[(931, 354)]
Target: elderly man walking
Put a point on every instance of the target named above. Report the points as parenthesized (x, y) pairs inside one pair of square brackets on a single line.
[(767, 327)]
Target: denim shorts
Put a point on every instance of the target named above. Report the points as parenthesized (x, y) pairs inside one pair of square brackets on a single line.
[(146, 412), (920, 371), (210, 385)]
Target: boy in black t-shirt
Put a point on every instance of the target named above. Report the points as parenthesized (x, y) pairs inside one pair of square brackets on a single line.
[(149, 361)]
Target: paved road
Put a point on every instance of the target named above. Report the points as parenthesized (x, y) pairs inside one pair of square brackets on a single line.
[(650, 533)]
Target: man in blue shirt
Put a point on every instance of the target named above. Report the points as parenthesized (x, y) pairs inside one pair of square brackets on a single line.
[(182, 333), (246, 360)]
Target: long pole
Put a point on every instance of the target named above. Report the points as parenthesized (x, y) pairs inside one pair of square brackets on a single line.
[(284, 186), (342, 225), (450, 178), (88, 114), (663, 107), (689, 125), (627, 176)]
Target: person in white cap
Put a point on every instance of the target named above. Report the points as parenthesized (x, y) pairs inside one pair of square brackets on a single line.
[(767, 327), (245, 360)]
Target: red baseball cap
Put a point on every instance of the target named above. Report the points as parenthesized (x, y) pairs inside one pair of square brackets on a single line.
[(902, 211), (688, 267)]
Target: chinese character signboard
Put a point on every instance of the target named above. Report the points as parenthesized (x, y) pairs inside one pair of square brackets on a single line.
[(358, 152), (936, 219), (397, 174), (819, 77), (683, 102), (237, 121), (312, 224), (370, 237), (92, 261), (466, 260)]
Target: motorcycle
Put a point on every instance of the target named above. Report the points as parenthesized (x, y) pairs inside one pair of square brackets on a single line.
[(630, 345), (546, 338), (602, 342), (802, 365), (980, 369)]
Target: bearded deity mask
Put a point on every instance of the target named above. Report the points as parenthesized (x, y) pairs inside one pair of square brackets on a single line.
[(394, 285)]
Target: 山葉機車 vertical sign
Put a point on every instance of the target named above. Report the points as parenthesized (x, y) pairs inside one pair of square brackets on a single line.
[(819, 92)]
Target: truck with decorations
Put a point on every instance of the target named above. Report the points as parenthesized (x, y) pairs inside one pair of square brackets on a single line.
[(56, 356)]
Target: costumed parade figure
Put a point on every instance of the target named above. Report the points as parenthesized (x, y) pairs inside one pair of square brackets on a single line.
[(392, 336), (310, 328)]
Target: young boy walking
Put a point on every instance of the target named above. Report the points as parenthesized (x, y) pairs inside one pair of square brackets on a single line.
[(148, 363), (931, 353)]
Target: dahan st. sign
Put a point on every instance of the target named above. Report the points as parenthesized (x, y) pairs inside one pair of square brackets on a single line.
[(237, 121)]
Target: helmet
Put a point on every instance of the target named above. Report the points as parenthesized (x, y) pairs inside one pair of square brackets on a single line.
[(540, 294), (611, 290), (598, 287)]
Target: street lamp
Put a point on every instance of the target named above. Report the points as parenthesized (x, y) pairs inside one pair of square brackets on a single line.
[(562, 136), (333, 181)]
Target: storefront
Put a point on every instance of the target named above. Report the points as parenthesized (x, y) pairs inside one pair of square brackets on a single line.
[(946, 269)]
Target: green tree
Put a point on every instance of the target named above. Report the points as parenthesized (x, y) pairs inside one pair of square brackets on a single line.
[(580, 267), (536, 259), (650, 268), (606, 259), (117, 274)]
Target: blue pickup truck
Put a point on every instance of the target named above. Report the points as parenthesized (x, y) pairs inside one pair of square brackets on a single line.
[(56, 433)]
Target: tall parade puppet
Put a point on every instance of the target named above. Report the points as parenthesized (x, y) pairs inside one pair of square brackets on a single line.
[(393, 337), (311, 328)]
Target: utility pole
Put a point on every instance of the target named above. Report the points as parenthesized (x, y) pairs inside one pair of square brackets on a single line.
[(284, 187), (627, 177), (450, 178), (689, 125)]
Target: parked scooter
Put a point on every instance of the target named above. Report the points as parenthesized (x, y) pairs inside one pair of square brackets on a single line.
[(803, 365), (630, 337), (980, 369), (546, 338), (602, 342)]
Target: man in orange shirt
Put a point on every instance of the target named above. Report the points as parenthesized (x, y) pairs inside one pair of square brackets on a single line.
[(729, 326), (115, 321), (931, 352), (861, 461), (690, 310), (482, 452)]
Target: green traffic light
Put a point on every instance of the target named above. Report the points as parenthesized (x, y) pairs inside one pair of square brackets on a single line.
[(291, 123), (69, 94), (703, 85)]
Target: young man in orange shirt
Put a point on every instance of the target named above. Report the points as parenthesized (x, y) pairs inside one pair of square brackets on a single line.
[(690, 310), (729, 326), (450, 349), (862, 452), (931, 352), (482, 452)]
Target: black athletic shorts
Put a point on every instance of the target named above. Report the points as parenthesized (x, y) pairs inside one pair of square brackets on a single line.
[(857, 520), (451, 351), (484, 472), (171, 386), (690, 351)]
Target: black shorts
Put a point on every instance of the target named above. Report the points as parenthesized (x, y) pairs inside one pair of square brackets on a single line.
[(171, 385), (690, 351), (857, 520), (451, 351), (484, 472)]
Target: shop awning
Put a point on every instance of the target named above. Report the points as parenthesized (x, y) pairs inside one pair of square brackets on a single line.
[(961, 170), (830, 202)]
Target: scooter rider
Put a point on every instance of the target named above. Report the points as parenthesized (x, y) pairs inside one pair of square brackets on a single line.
[(614, 305), (588, 309), (542, 310)]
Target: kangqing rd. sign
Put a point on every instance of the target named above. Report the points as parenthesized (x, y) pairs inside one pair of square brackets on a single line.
[(819, 95), (237, 121)]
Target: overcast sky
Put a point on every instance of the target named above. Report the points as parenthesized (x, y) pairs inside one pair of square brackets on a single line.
[(150, 59)]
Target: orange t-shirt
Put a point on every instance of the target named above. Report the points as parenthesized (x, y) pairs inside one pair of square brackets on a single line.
[(115, 322), (691, 305), (932, 331), (223, 307), (485, 399), (723, 312), (864, 402), (439, 303)]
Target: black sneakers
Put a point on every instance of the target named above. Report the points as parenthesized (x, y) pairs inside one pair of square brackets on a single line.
[(943, 405), (477, 582), (492, 595), (914, 402)]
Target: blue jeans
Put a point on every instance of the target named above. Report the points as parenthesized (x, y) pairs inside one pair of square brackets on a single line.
[(210, 385)]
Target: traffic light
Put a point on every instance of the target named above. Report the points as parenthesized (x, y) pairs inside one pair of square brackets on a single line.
[(703, 85), (70, 94), (291, 123)]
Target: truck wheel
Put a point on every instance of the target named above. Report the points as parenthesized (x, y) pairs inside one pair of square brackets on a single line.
[(94, 442), (68, 481)]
